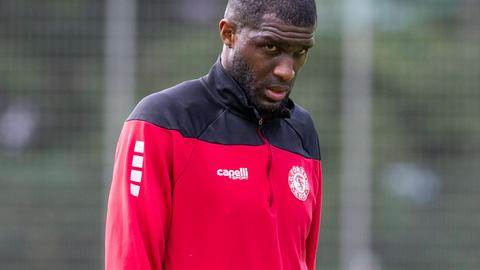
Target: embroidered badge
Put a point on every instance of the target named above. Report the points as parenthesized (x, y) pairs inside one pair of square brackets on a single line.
[(298, 182)]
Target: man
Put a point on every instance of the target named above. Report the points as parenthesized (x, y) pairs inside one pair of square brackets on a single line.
[(223, 172)]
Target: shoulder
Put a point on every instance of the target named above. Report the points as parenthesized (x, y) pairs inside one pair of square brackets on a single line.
[(301, 118), (301, 121), (186, 107)]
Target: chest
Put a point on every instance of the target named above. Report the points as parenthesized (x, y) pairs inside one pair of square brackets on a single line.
[(250, 182)]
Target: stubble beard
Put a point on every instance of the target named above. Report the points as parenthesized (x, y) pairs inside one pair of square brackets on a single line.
[(243, 74)]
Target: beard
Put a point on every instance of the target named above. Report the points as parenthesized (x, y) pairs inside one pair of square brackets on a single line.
[(243, 75)]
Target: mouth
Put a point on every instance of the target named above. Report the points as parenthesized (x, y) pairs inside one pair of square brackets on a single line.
[(276, 94)]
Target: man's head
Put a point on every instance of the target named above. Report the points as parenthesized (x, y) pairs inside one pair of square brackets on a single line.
[(265, 45)]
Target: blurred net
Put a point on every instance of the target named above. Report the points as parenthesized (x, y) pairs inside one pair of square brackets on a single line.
[(426, 124)]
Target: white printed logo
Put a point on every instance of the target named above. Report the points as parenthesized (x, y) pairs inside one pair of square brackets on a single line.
[(240, 174), (298, 183)]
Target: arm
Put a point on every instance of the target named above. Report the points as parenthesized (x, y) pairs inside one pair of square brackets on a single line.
[(312, 240), (139, 205)]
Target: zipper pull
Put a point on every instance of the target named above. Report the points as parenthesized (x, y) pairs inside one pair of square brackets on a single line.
[(259, 118)]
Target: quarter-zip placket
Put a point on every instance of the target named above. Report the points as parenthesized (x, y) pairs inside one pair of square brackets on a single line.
[(269, 161)]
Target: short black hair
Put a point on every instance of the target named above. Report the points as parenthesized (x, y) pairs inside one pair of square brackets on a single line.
[(250, 13)]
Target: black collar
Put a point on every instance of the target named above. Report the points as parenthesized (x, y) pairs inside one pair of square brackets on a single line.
[(230, 94)]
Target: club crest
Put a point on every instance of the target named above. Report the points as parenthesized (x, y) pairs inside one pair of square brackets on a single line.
[(298, 183)]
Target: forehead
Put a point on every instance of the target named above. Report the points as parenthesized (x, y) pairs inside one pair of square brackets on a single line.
[(275, 29)]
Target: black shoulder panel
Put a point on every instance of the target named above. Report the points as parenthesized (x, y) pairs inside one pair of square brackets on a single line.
[(297, 134), (176, 107), (190, 109), (232, 129)]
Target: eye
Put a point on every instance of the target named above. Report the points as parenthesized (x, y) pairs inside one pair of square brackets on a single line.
[(270, 48), (302, 52)]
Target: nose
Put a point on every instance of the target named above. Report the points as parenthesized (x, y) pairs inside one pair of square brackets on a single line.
[(284, 70)]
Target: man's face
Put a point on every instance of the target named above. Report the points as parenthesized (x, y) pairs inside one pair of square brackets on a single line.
[(267, 60)]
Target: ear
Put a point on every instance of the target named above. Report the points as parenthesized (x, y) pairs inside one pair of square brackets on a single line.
[(227, 32)]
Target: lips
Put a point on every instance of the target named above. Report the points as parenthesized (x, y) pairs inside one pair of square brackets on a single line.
[(276, 94)]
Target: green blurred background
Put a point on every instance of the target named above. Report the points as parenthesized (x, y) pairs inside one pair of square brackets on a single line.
[(72, 70)]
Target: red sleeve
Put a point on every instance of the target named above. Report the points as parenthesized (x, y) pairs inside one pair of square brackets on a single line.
[(312, 240), (139, 205)]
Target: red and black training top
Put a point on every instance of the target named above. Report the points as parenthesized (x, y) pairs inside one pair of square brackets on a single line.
[(199, 183)]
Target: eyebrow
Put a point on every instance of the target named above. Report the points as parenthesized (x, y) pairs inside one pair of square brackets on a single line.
[(305, 43)]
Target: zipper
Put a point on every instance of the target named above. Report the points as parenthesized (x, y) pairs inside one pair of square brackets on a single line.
[(269, 161)]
